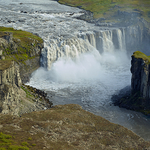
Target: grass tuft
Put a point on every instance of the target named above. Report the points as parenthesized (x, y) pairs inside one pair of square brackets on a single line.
[(101, 8), (141, 55), (6, 143), (22, 45)]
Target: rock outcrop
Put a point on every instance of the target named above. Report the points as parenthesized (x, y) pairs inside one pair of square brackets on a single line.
[(16, 98), (138, 98), (19, 57), (10, 91), (140, 69), (22, 47)]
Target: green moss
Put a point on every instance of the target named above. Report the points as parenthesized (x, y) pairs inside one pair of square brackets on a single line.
[(26, 42), (24, 144), (2, 148), (22, 35), (5, 139), (15, 147), (28, 93), (29, 138), (6, 142), (103, 8), (141, 55)]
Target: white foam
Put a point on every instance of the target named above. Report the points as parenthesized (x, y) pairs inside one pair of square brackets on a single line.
[(108, 68)]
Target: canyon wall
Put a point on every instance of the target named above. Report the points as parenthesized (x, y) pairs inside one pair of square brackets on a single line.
[(10, 88), (15, 68), (26, 55), (138, 98), (140, 69), (16, 98)]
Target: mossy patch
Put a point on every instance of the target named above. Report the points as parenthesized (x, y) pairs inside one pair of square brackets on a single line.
[(34, 94), (141, 55), (29, 94), (7, 143), (104, 8), (22, 46), (19, 34)]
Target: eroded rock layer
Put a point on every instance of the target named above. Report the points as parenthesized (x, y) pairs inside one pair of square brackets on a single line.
[(15, 98), (19, 57), (140, 69), (138, 98)]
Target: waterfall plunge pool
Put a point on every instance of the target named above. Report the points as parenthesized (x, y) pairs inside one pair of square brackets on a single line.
[(90, 80)]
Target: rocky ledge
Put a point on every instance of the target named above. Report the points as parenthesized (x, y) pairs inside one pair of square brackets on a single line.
[(19, 57), (22, 47), (138, 98)]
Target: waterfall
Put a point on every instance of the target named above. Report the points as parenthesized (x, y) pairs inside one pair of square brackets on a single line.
[(135, 39), (56, 48), (121, 39), (108, 45), (103, 41)]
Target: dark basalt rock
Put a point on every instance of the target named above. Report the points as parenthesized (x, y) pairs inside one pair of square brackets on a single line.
[(87, 16), (138, 97), (40, 94)]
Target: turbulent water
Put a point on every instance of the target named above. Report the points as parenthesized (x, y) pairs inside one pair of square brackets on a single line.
[(81, 63), (90, 81)]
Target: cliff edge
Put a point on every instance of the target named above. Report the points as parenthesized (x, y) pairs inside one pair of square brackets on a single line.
[(139, 97), (140, 69), (22, 47), (19, 57)]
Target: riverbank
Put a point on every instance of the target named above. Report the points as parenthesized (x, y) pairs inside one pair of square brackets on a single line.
[(114, 11)]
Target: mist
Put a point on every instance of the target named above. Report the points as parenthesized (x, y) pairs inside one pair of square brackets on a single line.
[(91, 66)]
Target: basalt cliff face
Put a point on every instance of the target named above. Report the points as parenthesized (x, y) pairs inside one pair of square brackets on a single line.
[(10, 91), (16, 65), (140, 69), (138, 98), (16, 98)]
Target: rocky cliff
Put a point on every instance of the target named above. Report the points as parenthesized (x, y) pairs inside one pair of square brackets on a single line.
[(16, 98), (19, 57), (21, 47), (139, 97), (10, 91), (140, 69)]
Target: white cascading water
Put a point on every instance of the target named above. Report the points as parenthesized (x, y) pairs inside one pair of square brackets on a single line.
[(108, 45), (69, 48)]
